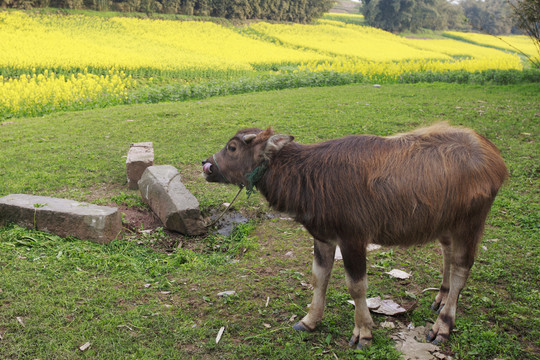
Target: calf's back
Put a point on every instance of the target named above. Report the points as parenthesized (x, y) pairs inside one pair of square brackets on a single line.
[(398, 190)]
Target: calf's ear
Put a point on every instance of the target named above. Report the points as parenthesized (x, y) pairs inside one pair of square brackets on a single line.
[(276, 143)]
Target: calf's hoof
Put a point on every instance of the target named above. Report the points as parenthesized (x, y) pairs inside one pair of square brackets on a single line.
[(300, 326), (359, 343), (436, 339)]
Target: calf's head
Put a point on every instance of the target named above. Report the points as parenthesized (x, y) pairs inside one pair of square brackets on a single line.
[(245, 151)]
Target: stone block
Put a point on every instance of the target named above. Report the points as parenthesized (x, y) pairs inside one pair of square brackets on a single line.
[(162, 189), (140, 156), (62, 217)]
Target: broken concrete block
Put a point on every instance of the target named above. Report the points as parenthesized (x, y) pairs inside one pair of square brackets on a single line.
[(62, 217), (140, 156), (162, 189)]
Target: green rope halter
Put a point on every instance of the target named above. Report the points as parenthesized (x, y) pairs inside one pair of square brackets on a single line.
[(255, 176)]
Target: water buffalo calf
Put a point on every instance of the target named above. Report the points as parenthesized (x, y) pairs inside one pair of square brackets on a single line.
[(433, 183)]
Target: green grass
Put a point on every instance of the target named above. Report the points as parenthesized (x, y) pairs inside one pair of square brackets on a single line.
[(134, 298)]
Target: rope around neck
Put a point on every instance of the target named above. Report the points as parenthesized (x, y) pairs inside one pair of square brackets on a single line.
[(227, 209), (255, 176), (230, 204), (219, 169)]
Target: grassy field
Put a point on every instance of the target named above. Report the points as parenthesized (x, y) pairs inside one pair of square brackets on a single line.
[(154, 295)]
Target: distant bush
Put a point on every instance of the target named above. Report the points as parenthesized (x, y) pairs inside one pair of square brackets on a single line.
[(499, 77), (182, 92)]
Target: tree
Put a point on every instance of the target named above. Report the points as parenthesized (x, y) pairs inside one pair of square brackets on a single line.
[(413, 15), (454, 17), (527, 15), (389, 15), (489, 16), (425, 16)]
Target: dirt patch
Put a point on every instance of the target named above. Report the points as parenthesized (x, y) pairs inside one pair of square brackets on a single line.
[(136, 219), (143, 226)]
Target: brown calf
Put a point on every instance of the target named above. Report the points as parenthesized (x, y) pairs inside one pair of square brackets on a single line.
[(433, 183)]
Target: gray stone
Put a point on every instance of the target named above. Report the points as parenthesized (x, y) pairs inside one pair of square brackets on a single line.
[(162, 189), (62, 217), (140, 156)]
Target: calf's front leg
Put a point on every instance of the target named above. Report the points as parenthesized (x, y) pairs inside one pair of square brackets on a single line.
[(323, 261), (440, 299), (354, 259)]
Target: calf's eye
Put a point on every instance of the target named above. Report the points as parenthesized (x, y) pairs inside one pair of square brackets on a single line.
[(231, 148)]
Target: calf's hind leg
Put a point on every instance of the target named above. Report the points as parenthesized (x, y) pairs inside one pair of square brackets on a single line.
[(323, 261), (463, 250)]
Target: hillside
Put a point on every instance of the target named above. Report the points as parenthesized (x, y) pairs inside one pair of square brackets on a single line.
[(68, 61)]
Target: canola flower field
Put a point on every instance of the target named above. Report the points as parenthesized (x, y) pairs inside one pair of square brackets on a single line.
[(52, 62)]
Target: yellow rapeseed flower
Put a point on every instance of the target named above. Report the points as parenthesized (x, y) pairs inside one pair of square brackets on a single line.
[(513, 43), (58, 61), (36, 93), (77, 41)]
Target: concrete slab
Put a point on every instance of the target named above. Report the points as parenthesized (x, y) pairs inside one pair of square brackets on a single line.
[(162, 189), (140, 156), (62, 217)]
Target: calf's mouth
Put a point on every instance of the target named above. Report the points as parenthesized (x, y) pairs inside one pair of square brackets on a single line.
[(207, 167)]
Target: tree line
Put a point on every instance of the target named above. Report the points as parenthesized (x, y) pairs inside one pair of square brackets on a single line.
[(488, 16), (300, 11), (494, 17)]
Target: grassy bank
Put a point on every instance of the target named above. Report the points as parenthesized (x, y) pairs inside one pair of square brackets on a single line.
[(145, 297)]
